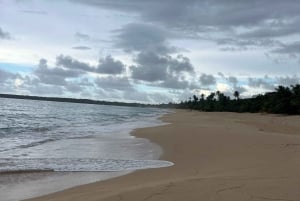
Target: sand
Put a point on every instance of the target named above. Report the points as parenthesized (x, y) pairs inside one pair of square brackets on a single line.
[(217, 156)]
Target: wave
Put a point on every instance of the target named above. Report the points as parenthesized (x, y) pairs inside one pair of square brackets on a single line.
[(3, 172), (32, 144), (78, 164)]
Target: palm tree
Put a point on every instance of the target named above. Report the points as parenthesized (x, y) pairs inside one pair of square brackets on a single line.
[(236, 94), (202, 97)]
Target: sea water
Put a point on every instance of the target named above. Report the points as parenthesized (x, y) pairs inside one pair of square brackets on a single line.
[(48, 146)]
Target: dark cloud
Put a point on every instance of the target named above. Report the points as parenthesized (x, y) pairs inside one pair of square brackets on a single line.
[(70, 63), (196, 14), (291, 49), (109, 65), (239, 25), (54, 76), (143, 37), (4, 35), (207, 80), (152, 67), (81, 48), (180, 64), (275, 28)]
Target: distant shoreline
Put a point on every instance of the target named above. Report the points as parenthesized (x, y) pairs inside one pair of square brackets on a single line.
[(75, 100)]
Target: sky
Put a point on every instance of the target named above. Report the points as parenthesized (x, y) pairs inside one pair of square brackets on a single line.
[(148, 51)]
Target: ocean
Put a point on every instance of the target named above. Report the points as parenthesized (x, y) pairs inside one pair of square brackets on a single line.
[(49, 146)]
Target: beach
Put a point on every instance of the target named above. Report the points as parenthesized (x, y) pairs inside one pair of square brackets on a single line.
[(216, 156)]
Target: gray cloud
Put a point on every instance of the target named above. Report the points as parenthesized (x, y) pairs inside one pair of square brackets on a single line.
[(195, 14), (240, 89), (239, 25), (82, 36), (291, 49), (114, 83), (143, 37), (260, 83), (269, 83), (73, 87), (180, 64), (233, 80), (41, 89), (275, 28), (288, 80), (174, 83), (54, 76), (159, 98), (70, 63), (235, 84), (86, 82), (134, 95), (81, 48), (207, 80), (4, 76), (152, 67), (109, 65), (238, 44), (4, 35), (221, 75)]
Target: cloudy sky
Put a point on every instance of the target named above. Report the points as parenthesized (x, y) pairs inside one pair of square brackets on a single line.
[(147, 51)]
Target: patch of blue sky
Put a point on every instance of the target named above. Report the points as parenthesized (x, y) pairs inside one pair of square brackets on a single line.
[(16, 68)]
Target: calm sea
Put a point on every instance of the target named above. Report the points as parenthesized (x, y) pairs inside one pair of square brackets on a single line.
[(74, 143)]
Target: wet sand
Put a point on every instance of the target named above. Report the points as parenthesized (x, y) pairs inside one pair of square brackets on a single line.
[(217, 156)]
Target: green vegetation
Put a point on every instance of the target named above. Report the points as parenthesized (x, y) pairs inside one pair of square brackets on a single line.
[(284, 100)]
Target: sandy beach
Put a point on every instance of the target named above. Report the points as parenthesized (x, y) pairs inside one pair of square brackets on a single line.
[(217, 156)]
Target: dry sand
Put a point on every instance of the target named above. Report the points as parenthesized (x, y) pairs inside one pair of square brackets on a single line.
[(217, 156)]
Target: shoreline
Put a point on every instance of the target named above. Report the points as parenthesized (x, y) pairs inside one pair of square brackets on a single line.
[(228, 156), (28, 183)]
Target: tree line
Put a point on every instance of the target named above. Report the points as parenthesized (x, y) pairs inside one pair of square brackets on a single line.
[(284, 100), (74, 100)]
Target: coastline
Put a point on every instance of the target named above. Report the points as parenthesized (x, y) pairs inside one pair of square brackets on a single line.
[(226, 156), (111, 147)]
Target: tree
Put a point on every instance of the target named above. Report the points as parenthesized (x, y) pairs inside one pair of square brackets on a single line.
[(284, 100), (236, 94)]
